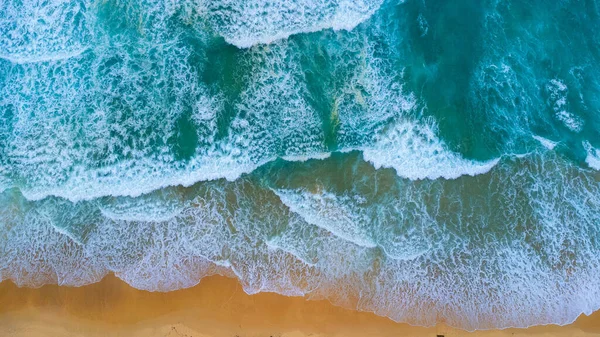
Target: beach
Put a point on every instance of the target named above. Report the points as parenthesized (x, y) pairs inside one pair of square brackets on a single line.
[(216, 307)]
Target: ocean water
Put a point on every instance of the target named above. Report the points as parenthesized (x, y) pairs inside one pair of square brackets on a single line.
[(425, 160)]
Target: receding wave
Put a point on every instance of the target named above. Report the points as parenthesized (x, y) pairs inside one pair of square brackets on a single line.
[(297, 237)]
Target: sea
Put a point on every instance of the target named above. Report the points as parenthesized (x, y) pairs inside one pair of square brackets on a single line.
[(426, 160)]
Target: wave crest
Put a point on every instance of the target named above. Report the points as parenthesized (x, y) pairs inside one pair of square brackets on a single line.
[(248, 23)]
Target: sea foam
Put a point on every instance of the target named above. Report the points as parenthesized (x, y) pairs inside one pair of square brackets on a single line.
[(593, 156), (96, 130), (558, 99), (547, 143), (248, 23), (244, 230), (31, 32), (154, 155), (415, 153)]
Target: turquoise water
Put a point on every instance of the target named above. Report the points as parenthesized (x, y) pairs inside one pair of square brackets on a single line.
[(425, 160)]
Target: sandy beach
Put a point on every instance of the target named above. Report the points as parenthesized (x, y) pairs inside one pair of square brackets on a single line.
[(216, 307)]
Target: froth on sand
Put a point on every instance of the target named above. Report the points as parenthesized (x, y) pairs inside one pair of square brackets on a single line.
[(216, 307)]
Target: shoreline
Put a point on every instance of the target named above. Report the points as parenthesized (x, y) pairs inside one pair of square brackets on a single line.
[(216, 307)]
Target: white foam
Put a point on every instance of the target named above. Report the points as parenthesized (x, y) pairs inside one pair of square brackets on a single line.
[(533, 258), (274, 120), (593, 156), (371, 98), (558, 96), (5, 181), (415, 153), (547, 143), (151, 256), (35, 253), (362, 221), (148, 208), (327, 211), (508, 248), (248, 23), (31, 31), (303, 158), (318, 249), (376, 116), (22, 59)]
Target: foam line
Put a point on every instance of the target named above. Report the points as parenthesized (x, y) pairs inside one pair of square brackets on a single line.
[(249, 23), (593, 156)]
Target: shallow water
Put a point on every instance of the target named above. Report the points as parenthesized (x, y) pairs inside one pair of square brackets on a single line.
[(424, 160)]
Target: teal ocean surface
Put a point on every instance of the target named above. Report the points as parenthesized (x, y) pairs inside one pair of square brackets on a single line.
[(426, 160)]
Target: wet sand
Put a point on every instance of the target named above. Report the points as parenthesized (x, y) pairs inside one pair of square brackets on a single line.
[(214, 308)]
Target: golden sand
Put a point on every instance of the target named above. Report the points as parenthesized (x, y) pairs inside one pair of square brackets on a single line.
[(216, 307)]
